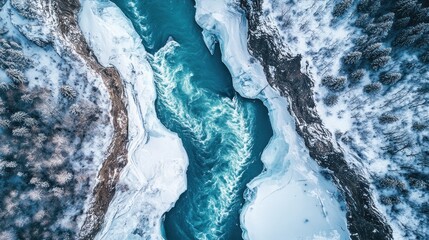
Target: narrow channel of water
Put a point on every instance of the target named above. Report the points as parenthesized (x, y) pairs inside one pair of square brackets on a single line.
[(223, 134)]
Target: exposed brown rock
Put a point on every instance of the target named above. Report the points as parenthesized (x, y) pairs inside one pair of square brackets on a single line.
[(363, 219), (116, 158)]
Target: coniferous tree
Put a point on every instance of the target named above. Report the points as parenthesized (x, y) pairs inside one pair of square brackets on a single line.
[(4, 123), (334, 83), (16, 76), (410, 35), (363, 20), (379, 29), (4, 86), (369, 6), (30, 122), (390, 78), (380, 62), (15, 45), (27, 98), (361, 41), (372, 88), (422, 14), (386, 17), (341, 7), (423, 41), (371, 48), (419, 126), (357, 75), (386, 118), (330, 100), (379, 52), (21, 132), (18, 116), (68, 92), (406, 7), (402, 22), (353, 57)]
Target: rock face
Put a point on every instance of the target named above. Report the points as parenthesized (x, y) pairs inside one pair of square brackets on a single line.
[(364, 220)]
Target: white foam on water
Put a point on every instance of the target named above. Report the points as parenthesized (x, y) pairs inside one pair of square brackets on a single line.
[(155, 174), (291, 199), (142, 22), (223, 117)]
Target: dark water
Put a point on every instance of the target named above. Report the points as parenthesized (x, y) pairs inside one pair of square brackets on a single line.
[(223, 134)]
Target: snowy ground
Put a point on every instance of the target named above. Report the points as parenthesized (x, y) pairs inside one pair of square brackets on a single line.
[(155, 175), (54, 65), (308, 28), (290, 199)]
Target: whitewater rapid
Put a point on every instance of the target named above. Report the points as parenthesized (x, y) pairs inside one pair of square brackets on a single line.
[(155, 174), (219, 123), (291, 199)]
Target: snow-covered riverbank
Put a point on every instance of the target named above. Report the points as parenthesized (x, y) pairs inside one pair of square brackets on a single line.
[(390, 156), (291, 199), (155, 175)]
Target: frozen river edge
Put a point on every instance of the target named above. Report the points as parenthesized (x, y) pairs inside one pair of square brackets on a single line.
[(290, 198), (155, 174)]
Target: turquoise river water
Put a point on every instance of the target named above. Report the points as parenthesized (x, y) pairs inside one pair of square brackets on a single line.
[(223, 133)]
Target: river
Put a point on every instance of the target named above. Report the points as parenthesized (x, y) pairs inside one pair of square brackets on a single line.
[(223, 133)]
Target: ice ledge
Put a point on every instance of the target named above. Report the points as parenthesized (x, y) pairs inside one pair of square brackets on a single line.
[(220, 23), (155, 175), (291, 199)]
